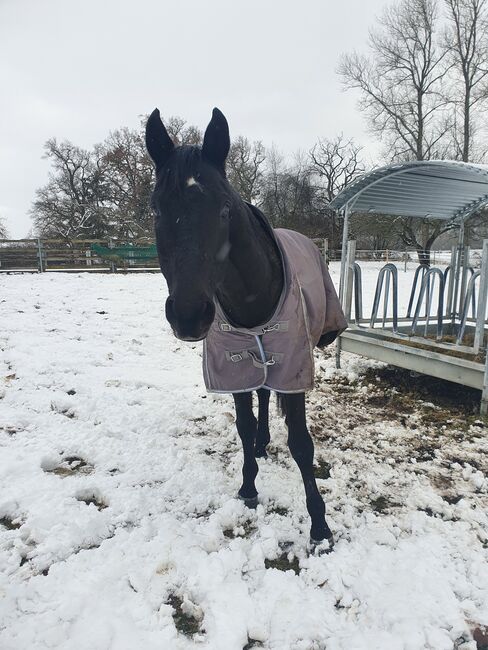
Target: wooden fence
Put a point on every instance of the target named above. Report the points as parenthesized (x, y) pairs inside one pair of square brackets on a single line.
[(40, 255)]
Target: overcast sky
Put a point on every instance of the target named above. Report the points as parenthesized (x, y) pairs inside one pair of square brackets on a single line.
[(79, 69)]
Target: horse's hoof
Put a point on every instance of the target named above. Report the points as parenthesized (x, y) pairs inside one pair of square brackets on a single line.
[(249, 502), (260, 453), (322, 546)]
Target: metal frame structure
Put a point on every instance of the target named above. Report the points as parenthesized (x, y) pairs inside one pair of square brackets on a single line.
[(445, 190)]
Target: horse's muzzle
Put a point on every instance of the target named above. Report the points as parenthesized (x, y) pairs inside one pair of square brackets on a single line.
[(190, 322)]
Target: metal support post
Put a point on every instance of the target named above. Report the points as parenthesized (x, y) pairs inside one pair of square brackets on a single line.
[(349, 278), (464, 277), (345, 234), (482, 296), (484, 393), (457, 271), (450, 286)]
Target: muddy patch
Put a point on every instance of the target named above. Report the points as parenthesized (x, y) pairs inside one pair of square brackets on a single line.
[(245, 529), (10, 523), (285, 562), (68, 466), (185, 620)]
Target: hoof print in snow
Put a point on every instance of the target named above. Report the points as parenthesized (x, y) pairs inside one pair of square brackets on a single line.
[(452, 499), (242, 530), (10, 523), (252, 643), (380, 504), (322, 470), (69, 466), (185, 620), (283, 563), (92, 497), (10, 430), (68, 412), (279, 510)]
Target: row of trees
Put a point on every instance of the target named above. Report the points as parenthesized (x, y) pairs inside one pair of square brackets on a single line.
[(105, 192), (423, 89)]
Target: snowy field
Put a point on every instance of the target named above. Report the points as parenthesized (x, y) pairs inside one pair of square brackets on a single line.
[(119, 527)]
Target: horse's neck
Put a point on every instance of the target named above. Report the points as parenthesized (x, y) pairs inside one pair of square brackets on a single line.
[(253, 279)]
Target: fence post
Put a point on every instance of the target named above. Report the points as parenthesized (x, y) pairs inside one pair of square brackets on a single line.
[(88, 257), (40, 261), (112, 264)]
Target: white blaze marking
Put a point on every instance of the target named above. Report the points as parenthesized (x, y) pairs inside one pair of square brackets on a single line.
[(191, 181)]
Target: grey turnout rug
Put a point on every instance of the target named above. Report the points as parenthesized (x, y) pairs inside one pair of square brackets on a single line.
[(279, 354)]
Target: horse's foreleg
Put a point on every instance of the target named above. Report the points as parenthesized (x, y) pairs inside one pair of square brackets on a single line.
[(247, 427), (263, 436), (301, 448)]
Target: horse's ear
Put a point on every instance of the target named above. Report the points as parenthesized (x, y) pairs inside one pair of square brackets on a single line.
[(216, 142), (159, 144)]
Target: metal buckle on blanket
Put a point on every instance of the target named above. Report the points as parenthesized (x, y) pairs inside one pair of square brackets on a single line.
[(258, 362), (225, 327), (271, 328), (281, 326), (236, 357)]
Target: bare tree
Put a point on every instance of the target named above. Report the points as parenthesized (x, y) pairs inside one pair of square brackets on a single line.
[(400, 84), (71, 204), (421, 234), (402, 88), (245, 168), (290, 198), (181, 132), (335, 163), (128, 175), (3, 229), (467, 44)]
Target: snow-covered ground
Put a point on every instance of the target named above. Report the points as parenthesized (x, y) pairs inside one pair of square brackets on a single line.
[(119, 529)]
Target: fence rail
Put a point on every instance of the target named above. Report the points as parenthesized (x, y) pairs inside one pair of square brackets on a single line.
[(39, 255)]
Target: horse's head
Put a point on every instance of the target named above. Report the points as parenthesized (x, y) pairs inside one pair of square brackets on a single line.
[(191, 200)]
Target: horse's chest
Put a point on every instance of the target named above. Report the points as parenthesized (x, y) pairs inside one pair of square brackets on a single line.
[(278, 355)]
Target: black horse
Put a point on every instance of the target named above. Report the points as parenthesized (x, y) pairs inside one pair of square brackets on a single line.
[(210, 246)]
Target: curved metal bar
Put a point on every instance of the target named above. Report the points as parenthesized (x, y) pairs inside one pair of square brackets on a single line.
[(426, 288), (423, 268), (470, 293), (358, 293), (473, 298), (388, 271)]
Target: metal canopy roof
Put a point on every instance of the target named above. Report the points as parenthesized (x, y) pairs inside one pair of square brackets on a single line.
[(436, 189)]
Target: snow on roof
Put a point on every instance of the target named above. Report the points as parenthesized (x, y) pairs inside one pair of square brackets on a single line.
[(437, 189)]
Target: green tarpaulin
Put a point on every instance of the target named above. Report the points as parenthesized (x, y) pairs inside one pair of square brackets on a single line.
[(125, 252)]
